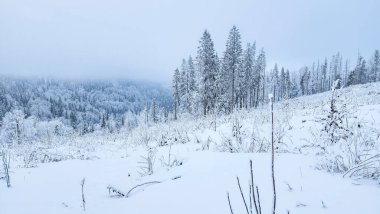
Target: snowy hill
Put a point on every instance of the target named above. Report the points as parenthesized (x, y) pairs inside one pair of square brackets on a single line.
[(193, 162), (77, 106)]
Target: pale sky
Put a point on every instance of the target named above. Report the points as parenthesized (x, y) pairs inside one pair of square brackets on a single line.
[(147, 40)]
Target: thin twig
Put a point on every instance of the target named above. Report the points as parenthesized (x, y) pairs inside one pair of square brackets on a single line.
[(242, 195), (151, 182), (258, 199), (253, 188), (229, 203)]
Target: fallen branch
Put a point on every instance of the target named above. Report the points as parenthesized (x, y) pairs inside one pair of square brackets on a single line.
[(151, 182), (370, 163), (119, 193)]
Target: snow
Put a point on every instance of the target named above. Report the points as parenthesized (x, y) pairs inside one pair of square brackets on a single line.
[(204, 173), (205, 179)]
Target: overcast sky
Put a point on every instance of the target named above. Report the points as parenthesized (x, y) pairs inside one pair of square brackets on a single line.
[(144, 39)]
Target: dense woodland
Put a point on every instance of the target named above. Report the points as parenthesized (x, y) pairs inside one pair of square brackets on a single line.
[(30, 108), (240, 79)]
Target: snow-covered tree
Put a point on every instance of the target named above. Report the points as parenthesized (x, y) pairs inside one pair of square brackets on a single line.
[(231, 64), (374, 70), (176, 92), (16, 128), (259, 78), (207, 70), (248, 65)]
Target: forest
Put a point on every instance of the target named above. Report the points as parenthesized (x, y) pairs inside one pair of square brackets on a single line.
[(240, 77)]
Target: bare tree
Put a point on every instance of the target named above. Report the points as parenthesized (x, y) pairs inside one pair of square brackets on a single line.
[(6, 159), (83, 198), (273, 178)]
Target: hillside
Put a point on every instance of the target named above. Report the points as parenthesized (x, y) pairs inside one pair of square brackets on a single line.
[(78, 107), (194, 162)]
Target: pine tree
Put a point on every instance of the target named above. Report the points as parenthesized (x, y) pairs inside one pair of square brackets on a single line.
[(176, 92), (73, 120), (274, 82), (249, 69), (334, 124), (282, 84), (184, 86), (315, 76), (304, 82), (230, 67), (294, 91), (191, 84), (207, 69), (346, 72), (288, 85), (104, 123), (154, 111), (363, 72), (324, 81), (259, 77), (374, 73)]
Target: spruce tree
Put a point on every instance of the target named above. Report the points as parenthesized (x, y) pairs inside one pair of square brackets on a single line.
[(248, 68), (260, 77), (374, 72), (230, 67), (207, 69), (176, 92), (191, 83)]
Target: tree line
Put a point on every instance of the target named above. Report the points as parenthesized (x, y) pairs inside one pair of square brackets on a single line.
[(239, 79)]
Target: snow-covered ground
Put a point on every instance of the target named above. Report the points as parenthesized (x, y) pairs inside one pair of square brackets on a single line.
[(204, 169)]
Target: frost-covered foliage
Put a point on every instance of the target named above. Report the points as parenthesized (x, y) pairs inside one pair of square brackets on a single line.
[(241, 80), (83, 105), (348, 140), (342, 132), (299, 127)]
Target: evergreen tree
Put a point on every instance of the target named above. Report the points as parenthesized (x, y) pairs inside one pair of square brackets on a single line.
[(346, 72), (288, 84), (192, 83), (358, 75), (207, 69), (259, 77), (304, 82), (249, 69), (73, 120), (324, 81), (154, 111), (274, 88), (176, 92), (230, 67), (374, 72), (184, 86), (104, 122), (282, 84)]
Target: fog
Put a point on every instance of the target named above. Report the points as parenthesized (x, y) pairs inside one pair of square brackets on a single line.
[(148, 39)]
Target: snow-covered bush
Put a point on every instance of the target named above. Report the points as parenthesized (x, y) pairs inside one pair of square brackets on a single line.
[(349, 145)]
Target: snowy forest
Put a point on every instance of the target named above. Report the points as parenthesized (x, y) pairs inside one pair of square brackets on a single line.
[(36, 106), (189, 107), (240, 78)]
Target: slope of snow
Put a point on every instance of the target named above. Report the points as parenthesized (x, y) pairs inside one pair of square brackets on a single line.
[(204, 173)]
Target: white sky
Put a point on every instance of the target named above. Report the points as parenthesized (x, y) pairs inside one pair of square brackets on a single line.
[(144, 39)]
